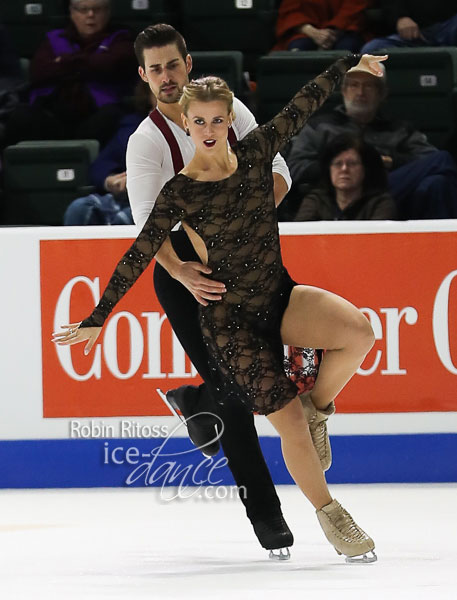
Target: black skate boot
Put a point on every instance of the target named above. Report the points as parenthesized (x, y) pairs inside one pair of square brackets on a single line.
[(274, 535), (200, 423)]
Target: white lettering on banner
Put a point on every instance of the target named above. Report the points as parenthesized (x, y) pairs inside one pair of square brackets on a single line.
[(62, 316), (441, 323), (136, 345), (154, 328), (179, 361), (154, 322), (154, 325), (393, 320), (376, 325)]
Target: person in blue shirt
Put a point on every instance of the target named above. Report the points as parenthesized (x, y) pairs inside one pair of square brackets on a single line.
[(109, 204)]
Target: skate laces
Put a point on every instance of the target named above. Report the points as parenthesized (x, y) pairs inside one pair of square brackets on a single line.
[(319, 436), (344, 523)]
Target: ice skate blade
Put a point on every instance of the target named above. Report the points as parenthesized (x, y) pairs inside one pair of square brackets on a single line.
[(171, 405), (174, 409), (279, 554), (365, 559)]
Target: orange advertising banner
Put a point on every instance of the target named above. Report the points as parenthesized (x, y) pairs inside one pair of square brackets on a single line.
[(405, 283)]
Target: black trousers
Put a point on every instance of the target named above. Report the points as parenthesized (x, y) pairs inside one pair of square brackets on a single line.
[(239, 439)]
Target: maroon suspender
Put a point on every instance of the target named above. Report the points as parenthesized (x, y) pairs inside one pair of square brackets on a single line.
[(232, 137), (176, 156)]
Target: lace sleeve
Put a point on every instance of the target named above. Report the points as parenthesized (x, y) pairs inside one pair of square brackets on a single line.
[(167, 212), (287, 123)]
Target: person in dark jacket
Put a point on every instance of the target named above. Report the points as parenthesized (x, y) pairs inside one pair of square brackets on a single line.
[(79, 78), (422, 179), (353, 185), (417, 23)]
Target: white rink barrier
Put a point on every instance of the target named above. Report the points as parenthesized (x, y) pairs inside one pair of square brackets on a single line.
[(67, 420)]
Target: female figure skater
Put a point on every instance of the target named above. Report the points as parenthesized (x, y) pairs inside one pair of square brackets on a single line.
[(224, 200)]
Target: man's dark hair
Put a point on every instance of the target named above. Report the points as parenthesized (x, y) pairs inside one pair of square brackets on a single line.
[(157, 36), (375, 179)]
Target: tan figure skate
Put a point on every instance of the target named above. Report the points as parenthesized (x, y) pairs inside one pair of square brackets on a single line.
[(345, 535), (317, 421)]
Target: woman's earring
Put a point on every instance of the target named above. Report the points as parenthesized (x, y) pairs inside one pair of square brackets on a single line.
[(187, 131)]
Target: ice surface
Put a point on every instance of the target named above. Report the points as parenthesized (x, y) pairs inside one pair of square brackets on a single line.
[(131, 543)]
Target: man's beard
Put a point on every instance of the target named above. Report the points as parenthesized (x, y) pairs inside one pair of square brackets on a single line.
[(170, 98), (359, 109)]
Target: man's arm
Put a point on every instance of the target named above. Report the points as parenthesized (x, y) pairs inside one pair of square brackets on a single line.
[(109, 162), (413, 145), (144, 182), (304, 154), (280, 188), (192, 275), (144, 175)]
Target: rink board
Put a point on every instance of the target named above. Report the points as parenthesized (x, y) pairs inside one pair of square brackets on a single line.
[(62, 412)]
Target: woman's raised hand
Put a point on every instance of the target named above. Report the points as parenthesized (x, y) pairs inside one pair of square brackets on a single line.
[(73, 334), (370, 64)]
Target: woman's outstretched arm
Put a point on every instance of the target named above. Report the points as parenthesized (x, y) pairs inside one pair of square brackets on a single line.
[(167, 212)]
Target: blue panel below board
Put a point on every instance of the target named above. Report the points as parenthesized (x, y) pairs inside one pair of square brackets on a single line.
[(411, 458)]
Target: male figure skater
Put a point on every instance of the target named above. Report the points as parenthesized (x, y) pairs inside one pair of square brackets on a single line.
[(156, 151)]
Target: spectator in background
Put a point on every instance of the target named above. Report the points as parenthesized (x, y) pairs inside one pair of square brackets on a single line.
[(417, 23), (422, 179), (321, 25), (109, 205), (11, 79), (79, 77), (353, 185)]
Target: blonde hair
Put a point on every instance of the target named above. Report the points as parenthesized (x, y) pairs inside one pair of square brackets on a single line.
[(207, 89)]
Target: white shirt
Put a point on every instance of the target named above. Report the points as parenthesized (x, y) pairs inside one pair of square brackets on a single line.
[(150, 166)]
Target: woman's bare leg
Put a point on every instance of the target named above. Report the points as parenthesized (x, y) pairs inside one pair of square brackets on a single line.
[(299, 454), (316, 318), (303, 463)]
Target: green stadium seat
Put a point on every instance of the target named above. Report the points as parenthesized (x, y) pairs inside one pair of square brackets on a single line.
[(28, 22), (423, 90), (138, 14), (42, 177), (225, 64), (26, 12), (281, 74), (244, 25)]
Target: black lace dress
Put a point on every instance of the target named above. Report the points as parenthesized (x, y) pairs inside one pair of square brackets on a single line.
[(236, 218)]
